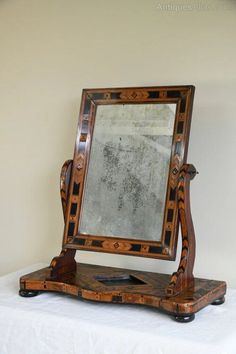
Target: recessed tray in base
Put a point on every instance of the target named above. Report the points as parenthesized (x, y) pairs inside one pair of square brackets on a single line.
[(116, 285)]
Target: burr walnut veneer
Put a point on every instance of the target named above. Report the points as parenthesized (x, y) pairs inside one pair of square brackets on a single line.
[(126, 191)]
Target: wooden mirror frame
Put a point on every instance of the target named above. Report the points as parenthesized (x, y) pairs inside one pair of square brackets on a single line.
[(179, 294), (182, 96)]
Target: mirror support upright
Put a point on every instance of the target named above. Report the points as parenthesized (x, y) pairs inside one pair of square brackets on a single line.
[(184, 278), (65, 262), (64, 184)]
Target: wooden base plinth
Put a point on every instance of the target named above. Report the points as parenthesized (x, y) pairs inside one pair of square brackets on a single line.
[(106, 284)]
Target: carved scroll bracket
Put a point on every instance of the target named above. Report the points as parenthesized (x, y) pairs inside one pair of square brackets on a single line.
[(64, 184), (184, 278), (65, 262)]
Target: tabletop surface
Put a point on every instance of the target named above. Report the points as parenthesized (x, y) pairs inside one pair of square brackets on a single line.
[(56, 323)]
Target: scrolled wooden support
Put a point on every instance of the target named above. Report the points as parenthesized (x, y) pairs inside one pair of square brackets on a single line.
[(63, 264), (64, 184), (184, 278)]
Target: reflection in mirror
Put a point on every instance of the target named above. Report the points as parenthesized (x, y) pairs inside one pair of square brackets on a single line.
[(128, 171)]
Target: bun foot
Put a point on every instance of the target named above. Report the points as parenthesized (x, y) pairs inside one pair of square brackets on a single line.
[(219, 301), (28, 293), (184, 319)]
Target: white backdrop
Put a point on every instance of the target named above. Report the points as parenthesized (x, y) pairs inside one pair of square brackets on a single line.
[(50, 50)]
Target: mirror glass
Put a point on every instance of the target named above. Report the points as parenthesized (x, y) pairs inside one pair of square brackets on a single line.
[(128, 170)]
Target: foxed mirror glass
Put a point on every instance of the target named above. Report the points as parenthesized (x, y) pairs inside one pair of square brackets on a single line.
[(130, 147), (128, 169)]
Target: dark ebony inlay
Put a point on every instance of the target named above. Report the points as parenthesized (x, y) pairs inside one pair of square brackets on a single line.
[(87, 106), (182, 104), (167, 238), (115, 95), (73, 209), (153, 94), (79, 241), (172, 194), (76, 188), (173, 94), (135, 247), (155, 249), (97, 96), (170, 215), (97, 243), (71, 229), (180, 127), (82, 145), (84, 128), (178, 148), (116, 298)]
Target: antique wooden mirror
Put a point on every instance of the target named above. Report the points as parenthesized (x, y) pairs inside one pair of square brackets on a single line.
[(126, 191)]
